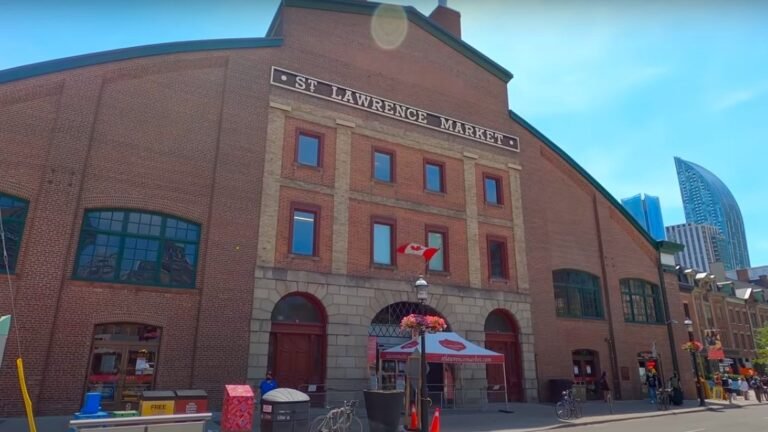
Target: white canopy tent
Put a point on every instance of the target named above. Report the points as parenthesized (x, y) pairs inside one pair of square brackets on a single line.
[(449, 348)]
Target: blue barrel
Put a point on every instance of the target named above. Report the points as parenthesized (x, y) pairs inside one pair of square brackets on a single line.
[(92, 403)]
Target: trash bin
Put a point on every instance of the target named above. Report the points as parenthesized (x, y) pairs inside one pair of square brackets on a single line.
[(92, 403), (156, 402), (285, 410), (383, 408), (191, 402), (557, 387)]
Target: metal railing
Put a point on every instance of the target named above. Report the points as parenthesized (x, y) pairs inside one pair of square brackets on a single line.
[(182, 423)]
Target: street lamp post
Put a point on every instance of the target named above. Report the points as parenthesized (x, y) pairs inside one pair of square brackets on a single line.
[(421, 290), (699, 391)]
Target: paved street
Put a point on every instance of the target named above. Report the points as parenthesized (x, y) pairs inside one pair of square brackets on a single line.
[(629, 416), (733, 420)]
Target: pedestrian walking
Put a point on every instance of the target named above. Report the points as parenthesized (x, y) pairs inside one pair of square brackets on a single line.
[(757, 386), (602, 384), (652, 381), (744, 388), (735, 389), (727, 388)]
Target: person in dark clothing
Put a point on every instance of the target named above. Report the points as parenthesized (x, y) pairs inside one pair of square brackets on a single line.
[(602, 384), (677, 390), (652, 381)]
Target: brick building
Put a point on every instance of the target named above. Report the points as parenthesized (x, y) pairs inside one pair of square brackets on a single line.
[(191, 214)]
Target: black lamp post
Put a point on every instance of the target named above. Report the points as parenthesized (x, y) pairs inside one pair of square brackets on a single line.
[(699, 391), (421, 290)]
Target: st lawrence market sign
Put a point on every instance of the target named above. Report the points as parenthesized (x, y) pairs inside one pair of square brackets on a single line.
[(365, 101)]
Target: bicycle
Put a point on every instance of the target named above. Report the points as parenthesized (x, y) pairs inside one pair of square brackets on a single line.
[(567, 407), (341, 419), (663, 399)]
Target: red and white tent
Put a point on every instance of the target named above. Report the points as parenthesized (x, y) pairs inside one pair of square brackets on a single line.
[(445, 347)]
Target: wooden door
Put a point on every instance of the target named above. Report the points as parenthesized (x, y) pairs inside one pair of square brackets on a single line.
[(293, 360), (505, 344)]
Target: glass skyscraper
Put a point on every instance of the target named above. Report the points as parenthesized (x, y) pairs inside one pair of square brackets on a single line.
[(646, 210), (707, 200)]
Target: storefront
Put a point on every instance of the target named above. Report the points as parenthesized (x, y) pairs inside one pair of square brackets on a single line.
[(123, 363)]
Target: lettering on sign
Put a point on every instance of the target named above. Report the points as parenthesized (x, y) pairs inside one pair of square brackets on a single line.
[(336, 93)]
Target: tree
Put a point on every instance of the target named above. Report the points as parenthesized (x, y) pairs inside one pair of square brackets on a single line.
[(761, 345)]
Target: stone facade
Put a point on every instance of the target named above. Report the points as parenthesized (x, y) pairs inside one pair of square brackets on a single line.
[(350, 302)]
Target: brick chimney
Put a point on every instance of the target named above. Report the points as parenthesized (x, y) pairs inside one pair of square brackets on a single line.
[(742, 275), (447, 18)]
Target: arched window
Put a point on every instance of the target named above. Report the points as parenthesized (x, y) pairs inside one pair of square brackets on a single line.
[(499, 322), (296, 309), (140, 248), (14, 213), (577, 294), (641, 301)]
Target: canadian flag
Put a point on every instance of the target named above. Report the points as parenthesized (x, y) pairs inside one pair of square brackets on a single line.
[(417, 249)]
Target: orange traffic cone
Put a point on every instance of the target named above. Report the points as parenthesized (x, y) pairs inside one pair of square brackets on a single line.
[(435, 421), (414, 419)]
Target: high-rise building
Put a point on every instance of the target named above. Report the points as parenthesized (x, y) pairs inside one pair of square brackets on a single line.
[(707, 200), (646, 210), (703, 245)]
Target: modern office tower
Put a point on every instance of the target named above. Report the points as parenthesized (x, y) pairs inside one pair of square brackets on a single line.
[(703, 244), (647, 212), (707, 200)]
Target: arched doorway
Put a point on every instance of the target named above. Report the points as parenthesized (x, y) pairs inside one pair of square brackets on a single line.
[(297, 343), (502, 336), (384, 333), (586, 371), (123, 363)]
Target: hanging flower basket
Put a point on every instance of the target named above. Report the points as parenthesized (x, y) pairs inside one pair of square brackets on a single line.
[(428, 323), (694, 346)]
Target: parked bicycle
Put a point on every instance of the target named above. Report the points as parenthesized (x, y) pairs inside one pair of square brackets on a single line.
[(567, 408), (341, 419), (663, 399)]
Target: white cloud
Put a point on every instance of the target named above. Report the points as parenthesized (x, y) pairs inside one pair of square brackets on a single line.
[(733, 98)]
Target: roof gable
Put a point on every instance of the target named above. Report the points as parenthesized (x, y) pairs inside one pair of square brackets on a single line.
[(414, 16)]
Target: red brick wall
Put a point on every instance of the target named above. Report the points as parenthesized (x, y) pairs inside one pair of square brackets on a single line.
[(177, 134), (410, 227), (409, 176)]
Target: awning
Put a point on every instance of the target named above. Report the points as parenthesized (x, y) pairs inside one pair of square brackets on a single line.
[(445, 347)]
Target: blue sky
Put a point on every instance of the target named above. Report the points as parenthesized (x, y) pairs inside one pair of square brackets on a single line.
[(622, 86)]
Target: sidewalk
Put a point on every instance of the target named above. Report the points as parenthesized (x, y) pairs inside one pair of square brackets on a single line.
[(524, 417)]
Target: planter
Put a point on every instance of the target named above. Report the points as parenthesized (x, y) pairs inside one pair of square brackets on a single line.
[(383, 407)]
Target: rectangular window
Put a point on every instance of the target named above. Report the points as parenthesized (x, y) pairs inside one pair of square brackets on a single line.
[(641, 301), (497, 258), (492, 187), (308, 149), (686, 311), (304, 232), (383, 239), (434, 176), (383, 166), (438, 238)]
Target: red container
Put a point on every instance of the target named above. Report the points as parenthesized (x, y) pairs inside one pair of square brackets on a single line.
[(191, 402), (237, 410)]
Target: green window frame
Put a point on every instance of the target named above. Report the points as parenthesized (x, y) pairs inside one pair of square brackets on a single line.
[(577, 294), (13, 211), (138, 248), (641, 302)]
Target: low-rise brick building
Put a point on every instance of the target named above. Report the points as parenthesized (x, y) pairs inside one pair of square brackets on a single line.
[(193, 214)]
